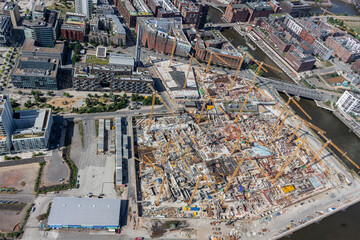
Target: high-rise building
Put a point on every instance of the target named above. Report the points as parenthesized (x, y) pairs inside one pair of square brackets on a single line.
[(84, 7), (6, 124), (12, 9), (6, 29), (43, 28)]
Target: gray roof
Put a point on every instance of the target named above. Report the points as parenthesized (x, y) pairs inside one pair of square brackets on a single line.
[(121, 29), (121, 59), (84, 211)]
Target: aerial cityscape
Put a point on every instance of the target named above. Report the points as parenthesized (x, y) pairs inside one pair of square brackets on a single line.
[(179, 119)]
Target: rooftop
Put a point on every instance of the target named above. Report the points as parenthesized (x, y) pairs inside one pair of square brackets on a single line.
[(30, 47), (36, 66), (84, 211)]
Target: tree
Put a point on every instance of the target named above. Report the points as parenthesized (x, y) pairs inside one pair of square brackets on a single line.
[(111, 43), (87, 101), (20, 92), (105, 95), (49, 93), (33, 92), (77, 47), (27, 11)]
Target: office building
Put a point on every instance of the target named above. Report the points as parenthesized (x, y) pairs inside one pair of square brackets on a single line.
[(12, 9), (93, 213), (84, 7), (299, 60), (163, 8), (98, 33), (349, 102), (30, 50), (188, 10), (324, 52), (6, 124), (32, 129), (36, 73), (6, 29), (236, 13), (296, 8), (74, 27)]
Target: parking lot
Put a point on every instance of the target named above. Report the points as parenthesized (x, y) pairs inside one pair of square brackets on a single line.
[(96, 172), (55, 169)]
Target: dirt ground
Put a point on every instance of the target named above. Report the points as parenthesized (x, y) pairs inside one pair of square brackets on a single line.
[(9, 218), (20, 177), (65, 102)]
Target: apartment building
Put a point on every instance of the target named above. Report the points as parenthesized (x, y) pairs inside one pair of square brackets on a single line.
[(296, 8), (349, 102), (299, 60), (74, 27), (322, 50), (345, 48)]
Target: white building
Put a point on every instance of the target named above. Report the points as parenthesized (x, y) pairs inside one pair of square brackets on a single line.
[(84, 7), (349, 102)]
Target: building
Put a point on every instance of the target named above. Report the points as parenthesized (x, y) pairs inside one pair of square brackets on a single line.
[(131, 10), (296, 8), (117, 35), (324, 52), (84, 7), (119, 59), (36, 73), (236, 13), (203, 12), (74, 27), (259, 9), (300, 61), (91, 213), (279, 41), (158, 35), (6, 124), (30, 50), (44, 27), (188, 10), (110, 78), (356, 66), (32, 129), (349, 102), (12, 9), (6, 29), (163, 8), (345, 48)]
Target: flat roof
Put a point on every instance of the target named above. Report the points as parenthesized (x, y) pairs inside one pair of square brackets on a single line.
[(29, 46), (84, 212)]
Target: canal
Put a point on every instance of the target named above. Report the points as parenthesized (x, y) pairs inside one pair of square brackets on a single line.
[(338, 7), (341, 225)]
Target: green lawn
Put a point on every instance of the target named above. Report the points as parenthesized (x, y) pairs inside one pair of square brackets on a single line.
[(62, 7), (94, 59)]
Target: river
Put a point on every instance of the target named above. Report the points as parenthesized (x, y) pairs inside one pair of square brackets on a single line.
[(338, 7), (343, 225)]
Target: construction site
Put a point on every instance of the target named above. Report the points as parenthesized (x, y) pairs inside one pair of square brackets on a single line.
[(240, 153)]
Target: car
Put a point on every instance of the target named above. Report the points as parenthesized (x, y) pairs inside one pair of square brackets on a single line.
[(77, 186), (33, 209), (100, 197), (102, 194), (61, 179), (77, 181)]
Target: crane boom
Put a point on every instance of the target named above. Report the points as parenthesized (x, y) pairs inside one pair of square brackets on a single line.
[(234, 174), (202, 109), (160, 191), (195, 189), (237, 73), (152, 88), (278, 128), (288, 161), (209, 62), (188, 72), (151, 112), (166, 152), (218, 195), (178, 152), (295, 102), (294, 133)]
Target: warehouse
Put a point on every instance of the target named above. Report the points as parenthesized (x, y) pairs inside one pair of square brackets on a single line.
[(85, 213)]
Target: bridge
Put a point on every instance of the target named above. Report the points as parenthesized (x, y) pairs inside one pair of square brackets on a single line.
[(281, 86)]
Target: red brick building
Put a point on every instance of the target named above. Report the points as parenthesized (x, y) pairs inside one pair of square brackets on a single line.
[(188, 11), (280, 42), (236, 13), (300, 61), (247, 12), (73, 27), (307, 36), (340, 50), (356, 66)]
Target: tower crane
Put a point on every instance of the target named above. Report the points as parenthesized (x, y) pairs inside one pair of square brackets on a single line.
[(178, 152), (336, 16), (173, 50), (237, 73), (152, 106), (202, 109), (166, 153), (298, 105), (279, 127), (294, 133), (195, 189), (151, 112), (160, 191)]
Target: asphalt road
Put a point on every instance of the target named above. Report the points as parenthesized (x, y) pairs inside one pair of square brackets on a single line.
[(56, 169)]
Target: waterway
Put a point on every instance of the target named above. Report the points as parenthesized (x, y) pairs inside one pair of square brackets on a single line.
[(338, 7), (343, 225)]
